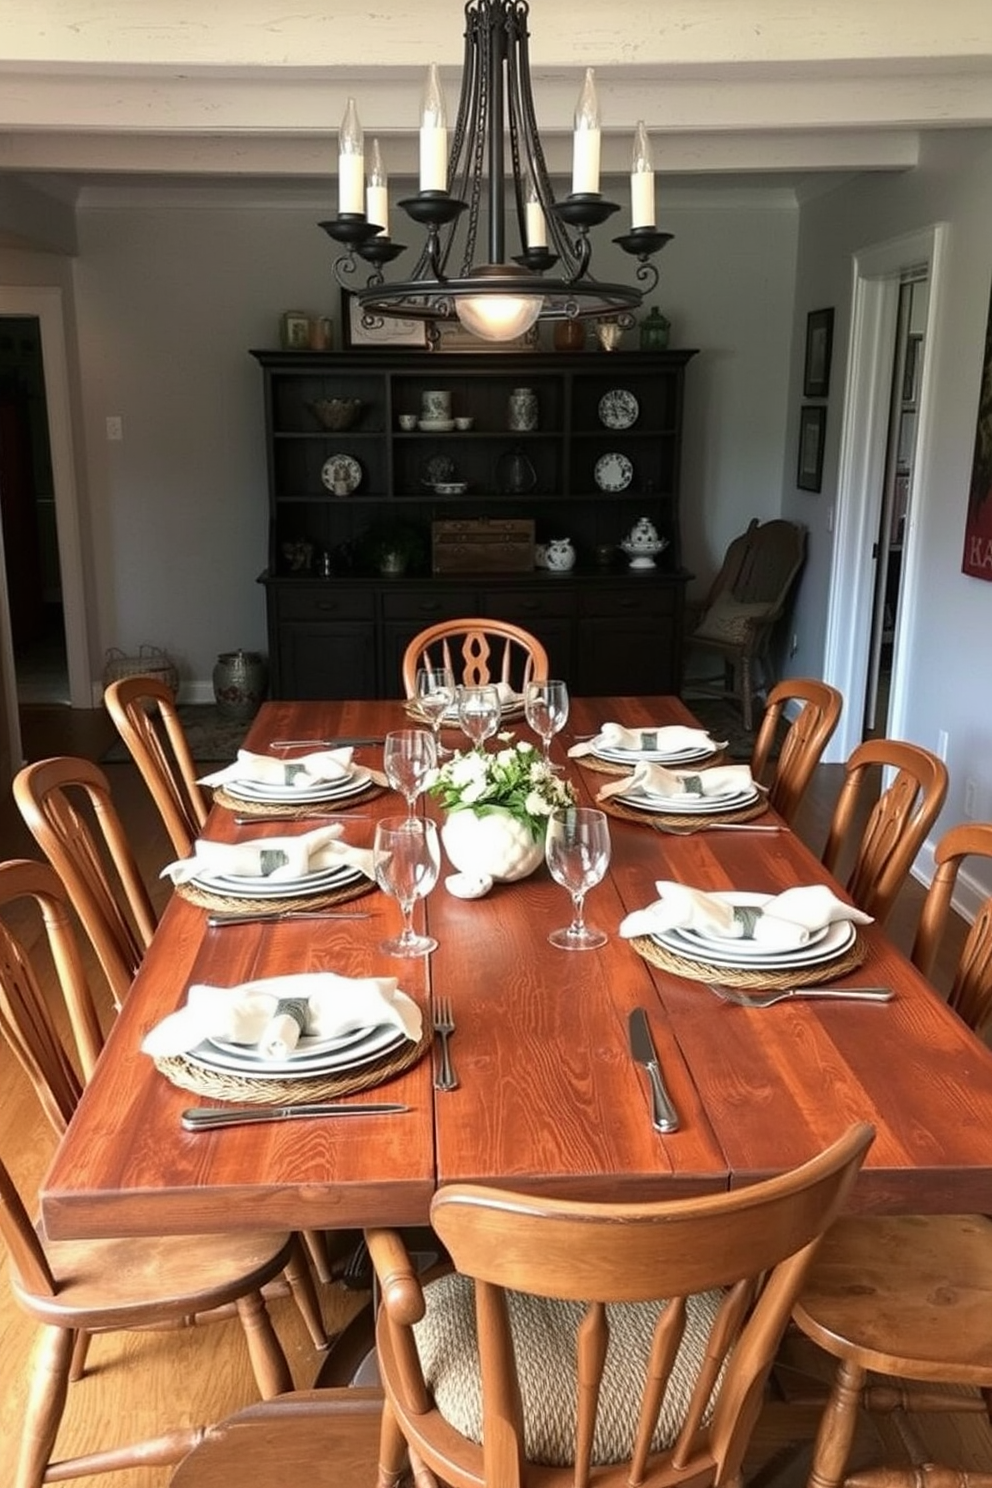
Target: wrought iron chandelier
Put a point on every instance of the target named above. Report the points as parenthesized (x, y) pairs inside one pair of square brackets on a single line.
[(495, 299)]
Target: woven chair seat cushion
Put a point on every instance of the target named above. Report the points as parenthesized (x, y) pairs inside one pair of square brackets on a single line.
[(544, 1339), (732, 620)]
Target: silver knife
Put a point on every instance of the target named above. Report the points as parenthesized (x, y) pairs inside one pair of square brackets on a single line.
[(663, 1116), (261, 917), (325, 743), (206, 1118)]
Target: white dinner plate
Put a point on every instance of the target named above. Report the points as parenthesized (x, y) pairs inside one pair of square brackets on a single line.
[(331, 790), (837, 939), (512, 708), (309, 1046), (321, 882), (692, 805), (379, 1041), (631, 757)]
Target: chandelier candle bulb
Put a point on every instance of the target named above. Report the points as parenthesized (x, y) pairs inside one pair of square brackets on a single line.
[(351, 163), (585, 145), (377, 191), (641, 181), (433, 135), (537, 228)]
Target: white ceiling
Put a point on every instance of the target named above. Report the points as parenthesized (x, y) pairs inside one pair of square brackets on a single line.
[(111, 96)]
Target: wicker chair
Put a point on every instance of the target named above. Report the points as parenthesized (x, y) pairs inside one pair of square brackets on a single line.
[(747, 599)]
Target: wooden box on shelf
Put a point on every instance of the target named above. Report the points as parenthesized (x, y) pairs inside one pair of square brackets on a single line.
[(484, 545)]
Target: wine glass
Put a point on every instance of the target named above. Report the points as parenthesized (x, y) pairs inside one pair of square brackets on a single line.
[(577, 849), (406, 856), (546, 710), (408, 756), (479, 713), (435, 693)]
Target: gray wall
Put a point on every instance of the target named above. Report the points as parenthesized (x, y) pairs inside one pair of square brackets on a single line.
[(950, 680), (171, 293)]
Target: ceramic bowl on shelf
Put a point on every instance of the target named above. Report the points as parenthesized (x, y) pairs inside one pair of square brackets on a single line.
[(450, 488), (337, 414), (408, 421), (464, 424)]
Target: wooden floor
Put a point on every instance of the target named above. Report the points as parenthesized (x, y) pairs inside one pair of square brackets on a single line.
[(136, 1383)]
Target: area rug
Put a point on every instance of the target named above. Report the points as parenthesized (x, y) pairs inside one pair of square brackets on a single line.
[(210, 736)]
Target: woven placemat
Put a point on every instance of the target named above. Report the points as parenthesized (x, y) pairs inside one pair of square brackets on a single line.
[(739, 976), (682, 823), (606, 767), (279, 811), (272, 904), (265, 1091)]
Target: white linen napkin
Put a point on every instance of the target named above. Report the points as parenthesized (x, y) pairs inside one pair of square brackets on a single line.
[(304, 772), (784, 923), (273, 1012), (273, 859), (669, 738), (647, 779)]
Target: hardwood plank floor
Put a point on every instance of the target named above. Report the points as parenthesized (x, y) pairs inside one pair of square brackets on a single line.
[(136, 1383)]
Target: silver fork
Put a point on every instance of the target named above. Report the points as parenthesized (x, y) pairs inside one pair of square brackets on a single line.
[(444, 1026), (788, 994)]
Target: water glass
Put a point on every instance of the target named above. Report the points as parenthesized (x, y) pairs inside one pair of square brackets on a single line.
[(436, 694), (408, 757), (546, 710), (577, 850), (479, 713), (406, 856)]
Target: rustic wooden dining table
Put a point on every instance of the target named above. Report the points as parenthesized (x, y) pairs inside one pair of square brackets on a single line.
[(549, 1099)]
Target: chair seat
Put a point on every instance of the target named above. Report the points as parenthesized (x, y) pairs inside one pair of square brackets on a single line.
[(544, 1331), (108, 1284), (909, 1295)]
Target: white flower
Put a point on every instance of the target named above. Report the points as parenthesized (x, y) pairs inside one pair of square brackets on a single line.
[(505, 757), (473, 792), (536, 805)]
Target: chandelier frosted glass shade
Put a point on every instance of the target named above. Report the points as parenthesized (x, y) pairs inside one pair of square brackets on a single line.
[(498, 317)]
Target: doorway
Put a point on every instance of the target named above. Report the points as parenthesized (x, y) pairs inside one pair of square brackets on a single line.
[(44, 305), (897, 495), (879, 273), (27, 508)]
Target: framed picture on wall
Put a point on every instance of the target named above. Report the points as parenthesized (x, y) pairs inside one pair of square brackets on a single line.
[(812, 428), (378, 330), (819, 346)]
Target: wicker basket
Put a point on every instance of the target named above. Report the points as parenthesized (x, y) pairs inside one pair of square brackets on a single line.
[(151, 661)]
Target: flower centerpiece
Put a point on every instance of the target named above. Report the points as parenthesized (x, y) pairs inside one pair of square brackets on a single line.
[(496, 808)]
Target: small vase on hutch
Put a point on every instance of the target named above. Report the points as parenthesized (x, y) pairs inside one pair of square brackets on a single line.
[(521, 416)]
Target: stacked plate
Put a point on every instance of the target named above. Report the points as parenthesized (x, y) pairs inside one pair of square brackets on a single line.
[(692, 945), (513, 707), (292, 795), (311, 1057), (632, 757), (240, 886), (729, 800)]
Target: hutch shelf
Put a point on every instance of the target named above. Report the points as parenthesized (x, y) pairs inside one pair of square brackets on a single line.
[(350, 575)]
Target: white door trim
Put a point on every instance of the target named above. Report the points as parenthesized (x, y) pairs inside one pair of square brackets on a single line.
[(877, 273), (45, 303)]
